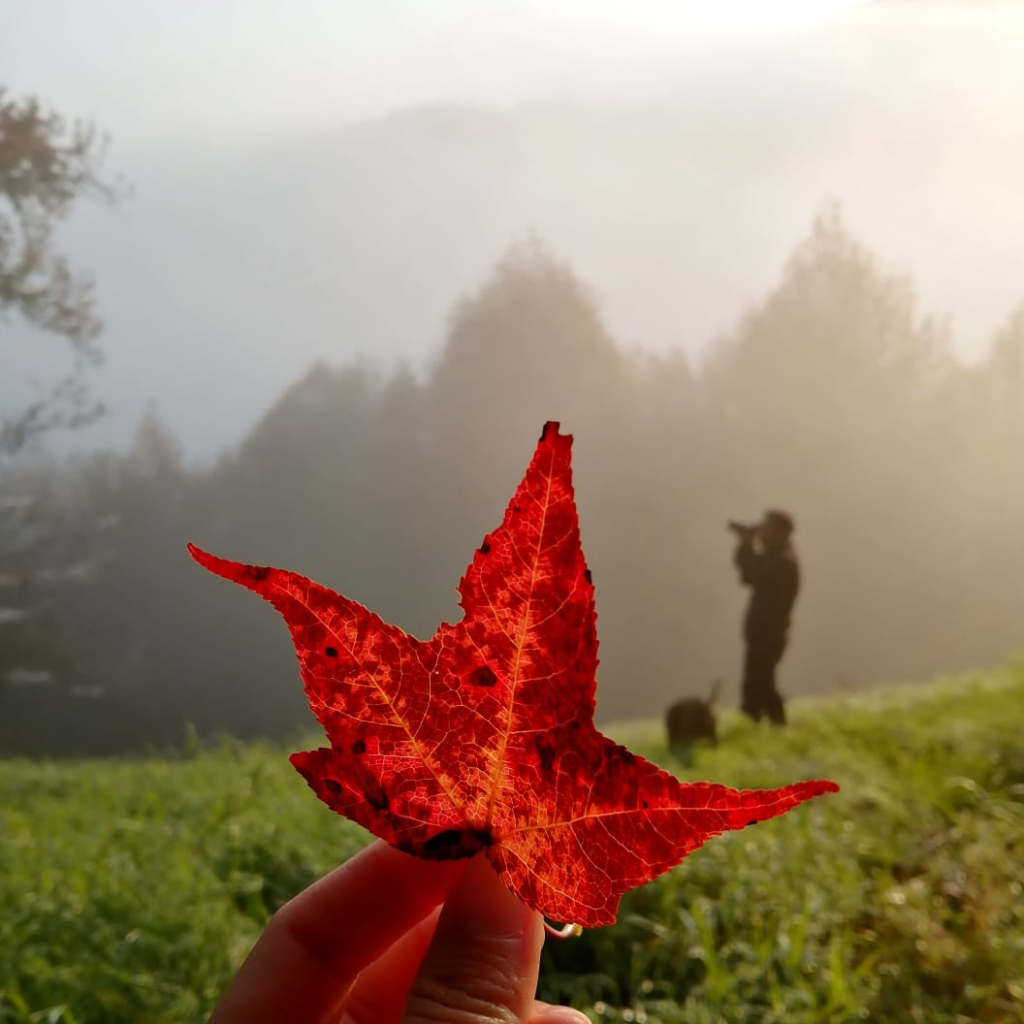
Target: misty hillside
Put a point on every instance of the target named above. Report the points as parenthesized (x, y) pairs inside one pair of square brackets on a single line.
[(330, 343), (242, 265), (835, 397)]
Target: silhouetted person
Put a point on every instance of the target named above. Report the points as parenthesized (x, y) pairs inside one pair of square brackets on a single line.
[(767, 564)]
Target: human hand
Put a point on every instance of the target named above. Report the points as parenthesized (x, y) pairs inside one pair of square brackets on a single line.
[(388, 938)]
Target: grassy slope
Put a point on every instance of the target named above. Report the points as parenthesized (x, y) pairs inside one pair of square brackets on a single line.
[(129, 891)]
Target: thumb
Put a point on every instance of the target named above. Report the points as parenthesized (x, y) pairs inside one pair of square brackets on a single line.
[(482, 963)]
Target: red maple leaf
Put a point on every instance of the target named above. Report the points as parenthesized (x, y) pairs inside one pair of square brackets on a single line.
[(482, 738)]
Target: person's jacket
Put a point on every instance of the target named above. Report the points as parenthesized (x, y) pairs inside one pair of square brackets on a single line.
[(774, 579)]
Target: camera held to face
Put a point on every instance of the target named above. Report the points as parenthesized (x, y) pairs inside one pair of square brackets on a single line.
[(745, 531)]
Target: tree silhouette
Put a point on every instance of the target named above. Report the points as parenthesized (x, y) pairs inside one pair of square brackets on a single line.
[(833, 397), (46, 167)]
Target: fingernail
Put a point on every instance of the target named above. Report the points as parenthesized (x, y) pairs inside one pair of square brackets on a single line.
[(561, 1015)]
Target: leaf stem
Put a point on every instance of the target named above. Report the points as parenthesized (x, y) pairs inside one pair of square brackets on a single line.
[(567, 931)]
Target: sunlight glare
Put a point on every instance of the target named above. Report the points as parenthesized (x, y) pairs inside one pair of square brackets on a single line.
[(734, 16)]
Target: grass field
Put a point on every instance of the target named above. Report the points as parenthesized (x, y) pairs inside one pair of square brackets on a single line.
[(131, 890)]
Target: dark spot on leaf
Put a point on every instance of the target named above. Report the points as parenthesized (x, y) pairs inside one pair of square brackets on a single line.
[(440, 847), (588, 576), (332, 786), (331, 652), (454, 843), (515, 508), (376, 797), (257, 572), (359, 747), (646, 805), (546, 752), (482, 676), (485, 548)]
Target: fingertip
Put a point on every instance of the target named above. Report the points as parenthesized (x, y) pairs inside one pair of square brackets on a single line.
[(479, 900), (381, 890), (545, 1013), (484, 959)]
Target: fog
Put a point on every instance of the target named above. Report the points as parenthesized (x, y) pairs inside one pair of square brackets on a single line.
[(747, 263), (337, 196)]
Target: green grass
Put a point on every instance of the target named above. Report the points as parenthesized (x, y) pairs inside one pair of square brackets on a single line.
[(131, 890)]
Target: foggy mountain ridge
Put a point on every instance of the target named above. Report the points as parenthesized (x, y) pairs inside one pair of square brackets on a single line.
[(713, 339), (228, 275), (834, 396)]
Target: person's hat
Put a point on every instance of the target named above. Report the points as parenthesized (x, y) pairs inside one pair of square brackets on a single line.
[(782, 520)]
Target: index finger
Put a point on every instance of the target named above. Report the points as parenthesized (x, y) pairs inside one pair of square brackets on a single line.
[(315, 946)]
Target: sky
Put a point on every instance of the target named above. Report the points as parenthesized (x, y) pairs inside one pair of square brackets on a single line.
[(153, 70), (266, 139)]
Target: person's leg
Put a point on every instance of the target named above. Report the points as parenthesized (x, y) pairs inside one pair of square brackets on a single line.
[(772, 703), (751, 701), (771, 700)]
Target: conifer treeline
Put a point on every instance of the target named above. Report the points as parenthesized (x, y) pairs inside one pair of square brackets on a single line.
[(833, 398)]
